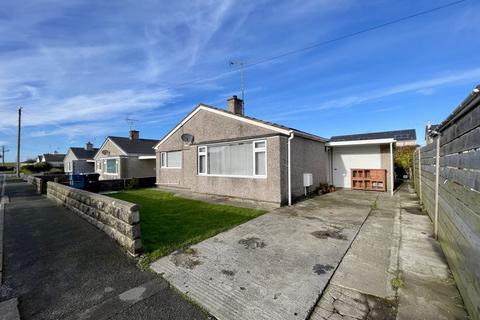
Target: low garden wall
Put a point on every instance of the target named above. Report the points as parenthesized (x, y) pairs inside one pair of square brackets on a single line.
[(40, 181), (119, 219)]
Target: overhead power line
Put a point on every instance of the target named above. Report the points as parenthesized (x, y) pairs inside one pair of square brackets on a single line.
[(356, 33), (321, 43)]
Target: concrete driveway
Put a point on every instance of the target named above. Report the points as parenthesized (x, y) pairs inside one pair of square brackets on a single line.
[(272, 267)]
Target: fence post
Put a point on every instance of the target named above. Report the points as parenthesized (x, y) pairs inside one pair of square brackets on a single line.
[(437, 174), (414, 176), (420, 174)]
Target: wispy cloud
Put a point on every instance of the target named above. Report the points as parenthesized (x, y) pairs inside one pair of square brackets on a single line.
[(425, 85)]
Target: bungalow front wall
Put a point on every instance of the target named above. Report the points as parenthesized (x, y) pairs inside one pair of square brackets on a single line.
[(237, 158)]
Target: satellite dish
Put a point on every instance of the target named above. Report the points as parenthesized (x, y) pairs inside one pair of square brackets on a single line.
[(187, 138), (105, 152)]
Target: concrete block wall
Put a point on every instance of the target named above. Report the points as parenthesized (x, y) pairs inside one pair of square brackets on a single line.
[(119, 219)]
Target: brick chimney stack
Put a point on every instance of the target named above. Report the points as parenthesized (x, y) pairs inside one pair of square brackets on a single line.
[(235, 106), (134, 135), (89, 146)]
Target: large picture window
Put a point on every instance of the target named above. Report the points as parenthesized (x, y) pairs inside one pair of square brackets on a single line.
[(171, 159), (240, 159), (112, 166)]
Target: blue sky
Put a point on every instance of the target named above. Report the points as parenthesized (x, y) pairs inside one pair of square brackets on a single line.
[(79, 68)]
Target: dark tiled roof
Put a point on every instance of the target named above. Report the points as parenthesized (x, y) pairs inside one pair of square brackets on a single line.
[(53, 157), (136, 146), (81, 153), (303, 133), (399, 135)]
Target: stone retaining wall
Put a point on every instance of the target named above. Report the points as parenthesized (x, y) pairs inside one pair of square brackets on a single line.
[(117, 218)]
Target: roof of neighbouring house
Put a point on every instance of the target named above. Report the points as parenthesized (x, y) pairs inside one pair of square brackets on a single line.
[(82, 153), (53, 157), (251, 119), (135, 146), (399, 135)]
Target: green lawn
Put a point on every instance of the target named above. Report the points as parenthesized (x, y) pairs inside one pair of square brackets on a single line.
[(169, 222)]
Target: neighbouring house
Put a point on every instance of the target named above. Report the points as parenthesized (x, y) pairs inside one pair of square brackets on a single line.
[(79, 160), (55, 159), (366, 151), (430, 130), (121, 157), (225, 153)]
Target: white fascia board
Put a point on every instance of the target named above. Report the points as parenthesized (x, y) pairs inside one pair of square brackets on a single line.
[(146, 157), (223, 113), (359, 142)]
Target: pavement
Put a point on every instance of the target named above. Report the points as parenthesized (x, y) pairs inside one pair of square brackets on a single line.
[(274, 266), (61, 267)]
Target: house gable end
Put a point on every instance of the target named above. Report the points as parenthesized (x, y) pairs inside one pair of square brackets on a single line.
[(207, 124), (111, 147)]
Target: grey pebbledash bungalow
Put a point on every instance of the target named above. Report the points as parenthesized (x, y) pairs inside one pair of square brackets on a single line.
[(122, 157), (225, 153)]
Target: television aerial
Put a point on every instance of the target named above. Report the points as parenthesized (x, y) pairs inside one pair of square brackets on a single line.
[(131, 122)]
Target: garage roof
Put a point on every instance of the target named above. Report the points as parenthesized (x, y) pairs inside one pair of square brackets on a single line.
[(398, 135)]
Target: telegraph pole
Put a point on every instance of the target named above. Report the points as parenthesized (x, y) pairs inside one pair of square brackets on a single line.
[(18, 139), (3, 154)]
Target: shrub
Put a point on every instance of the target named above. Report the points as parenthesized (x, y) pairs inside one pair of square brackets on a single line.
[(36, 168), (132, 184), (403, 159)]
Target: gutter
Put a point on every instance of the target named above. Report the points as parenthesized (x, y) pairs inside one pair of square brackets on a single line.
[(290, 169)]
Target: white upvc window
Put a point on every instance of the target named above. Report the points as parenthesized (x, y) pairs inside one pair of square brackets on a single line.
[(202, 160), (236, 159), (111, 166), (260, 158), (171, 159), (98, 163)]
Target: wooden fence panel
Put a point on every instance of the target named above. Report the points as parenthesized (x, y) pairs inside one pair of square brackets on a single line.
[(458, 201)]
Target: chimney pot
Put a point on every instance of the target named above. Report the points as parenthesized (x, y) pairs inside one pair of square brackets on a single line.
[(134, 135), (235, 106)]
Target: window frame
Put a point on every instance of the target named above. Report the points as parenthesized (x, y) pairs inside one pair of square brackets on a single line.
[(117, 166), (202, 154), (164, 159), (259, 150), (254, 151)]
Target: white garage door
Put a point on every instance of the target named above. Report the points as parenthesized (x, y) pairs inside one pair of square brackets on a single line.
[(353, 157)]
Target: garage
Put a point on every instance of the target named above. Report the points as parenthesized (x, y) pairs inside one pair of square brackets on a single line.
[(348, 154)]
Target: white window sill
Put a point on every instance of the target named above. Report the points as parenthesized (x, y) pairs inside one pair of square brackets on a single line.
[(231, 176)]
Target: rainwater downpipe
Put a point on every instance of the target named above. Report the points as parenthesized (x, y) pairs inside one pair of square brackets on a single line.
[(289, 170)]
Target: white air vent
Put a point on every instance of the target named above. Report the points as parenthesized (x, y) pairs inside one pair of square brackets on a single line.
[(307, 179)]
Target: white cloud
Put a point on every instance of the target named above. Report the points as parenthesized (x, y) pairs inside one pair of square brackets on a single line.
[(434, 83)]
